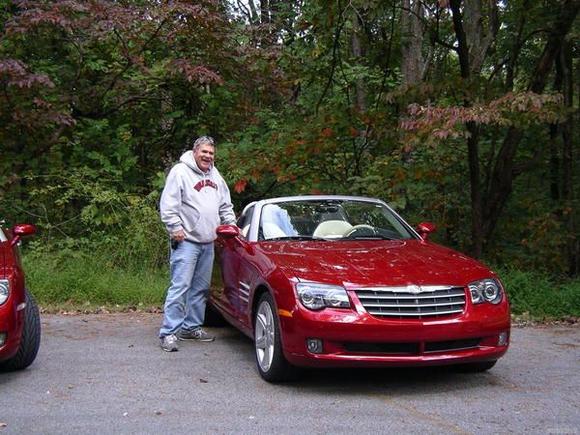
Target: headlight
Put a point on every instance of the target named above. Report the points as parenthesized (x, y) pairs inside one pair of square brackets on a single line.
[(486, 290), (4, 290), (315, 296)]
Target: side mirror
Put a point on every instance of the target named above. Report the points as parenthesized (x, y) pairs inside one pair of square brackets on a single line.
[(230, 232), (20, 231), (425, 228), (227, 231)]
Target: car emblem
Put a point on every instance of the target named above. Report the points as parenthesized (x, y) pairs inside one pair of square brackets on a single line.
[(414, 289)]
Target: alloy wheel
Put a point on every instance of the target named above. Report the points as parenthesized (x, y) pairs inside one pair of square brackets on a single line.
[(264, 336)]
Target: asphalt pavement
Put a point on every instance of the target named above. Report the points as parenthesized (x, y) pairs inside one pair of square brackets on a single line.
[(101, 374)]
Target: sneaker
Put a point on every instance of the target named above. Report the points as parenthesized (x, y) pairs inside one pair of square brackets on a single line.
[(169, 343), (197, 334)]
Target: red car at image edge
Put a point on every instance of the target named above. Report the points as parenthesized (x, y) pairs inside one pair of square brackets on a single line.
[(341, 281), (19, 315)]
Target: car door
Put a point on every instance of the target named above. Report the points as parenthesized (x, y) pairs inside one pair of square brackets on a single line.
[(247, 277), (230, 253)]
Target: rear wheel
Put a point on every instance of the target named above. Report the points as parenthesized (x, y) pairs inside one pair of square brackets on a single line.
[(30, 341), (270, 360)]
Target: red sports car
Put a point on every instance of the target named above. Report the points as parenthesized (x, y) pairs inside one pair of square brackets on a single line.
[(339, 281), (19, 316)]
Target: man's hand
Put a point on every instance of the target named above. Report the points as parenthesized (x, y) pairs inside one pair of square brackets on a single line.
[(178, 236)]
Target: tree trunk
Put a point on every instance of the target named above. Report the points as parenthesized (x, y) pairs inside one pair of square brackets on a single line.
[(479, 40), (554, 143), (358, 54), (474, 181), (477, 235), (254, 17), (264, 12), (503, 173), (516, 48), (462, 48), (554, 164), (412, 42), (569, 215)]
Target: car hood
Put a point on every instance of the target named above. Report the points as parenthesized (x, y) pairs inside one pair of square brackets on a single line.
[(374, 263)]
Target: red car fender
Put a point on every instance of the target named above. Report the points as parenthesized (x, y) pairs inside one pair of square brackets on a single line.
[(11, 314)]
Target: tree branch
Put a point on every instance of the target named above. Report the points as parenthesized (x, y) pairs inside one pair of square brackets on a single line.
[(334, 59)]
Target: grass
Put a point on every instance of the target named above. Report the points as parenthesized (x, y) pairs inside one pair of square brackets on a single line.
[(62, 282), (541, 296), (88, 281)]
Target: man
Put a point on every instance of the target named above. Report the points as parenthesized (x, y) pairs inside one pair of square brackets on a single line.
[(194, 202)]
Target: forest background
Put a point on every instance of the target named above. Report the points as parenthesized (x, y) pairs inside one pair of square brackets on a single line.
[(460, 112)]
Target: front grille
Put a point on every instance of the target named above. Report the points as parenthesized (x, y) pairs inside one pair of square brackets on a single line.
[(443, 346), (386, 348), (412, 301), (413, 348)]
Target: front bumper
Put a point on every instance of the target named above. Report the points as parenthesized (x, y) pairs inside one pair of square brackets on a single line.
[(354, 338)]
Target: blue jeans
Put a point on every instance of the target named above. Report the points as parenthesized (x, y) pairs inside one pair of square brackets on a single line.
[(191, 267)]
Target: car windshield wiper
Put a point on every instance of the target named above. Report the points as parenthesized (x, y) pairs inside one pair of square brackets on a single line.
[(297, 237), (373, 237)]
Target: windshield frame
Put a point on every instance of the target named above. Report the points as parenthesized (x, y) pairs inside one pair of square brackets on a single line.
[(253, 234)]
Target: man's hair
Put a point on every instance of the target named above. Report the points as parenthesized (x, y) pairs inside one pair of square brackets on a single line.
[(203, 140)]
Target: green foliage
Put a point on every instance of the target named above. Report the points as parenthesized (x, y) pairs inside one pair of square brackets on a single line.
[(120, 226), (74, 277), (99, 99), (540, 295), (69, 276)]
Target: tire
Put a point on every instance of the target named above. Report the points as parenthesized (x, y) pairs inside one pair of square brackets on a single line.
[(477, 367), (30, 341), (270, 360), (213, 317)]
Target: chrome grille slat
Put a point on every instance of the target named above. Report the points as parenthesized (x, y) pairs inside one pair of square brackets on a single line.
[(424, 289), (451, 295), (403, 314), (406, 305), (412, 302)]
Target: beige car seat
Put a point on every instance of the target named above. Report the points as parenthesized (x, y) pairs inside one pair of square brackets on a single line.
[(332, 229)]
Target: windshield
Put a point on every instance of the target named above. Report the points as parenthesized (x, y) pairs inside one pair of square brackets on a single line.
[(330, 219)]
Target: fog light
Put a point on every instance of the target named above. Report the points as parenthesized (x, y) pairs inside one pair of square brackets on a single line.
[(2, 338), (314, 345), (502, 339)]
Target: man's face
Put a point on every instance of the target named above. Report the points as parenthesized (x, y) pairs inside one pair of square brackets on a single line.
[(204, 155)]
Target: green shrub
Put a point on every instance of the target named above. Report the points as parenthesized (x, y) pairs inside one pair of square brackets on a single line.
[(73, 278), (57, 278), (120, 227), (540, 295)]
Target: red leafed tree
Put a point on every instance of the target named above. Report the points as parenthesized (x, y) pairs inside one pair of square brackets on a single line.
[(473, 43)]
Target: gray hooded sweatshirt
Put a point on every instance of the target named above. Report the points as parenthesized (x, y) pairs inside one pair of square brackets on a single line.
[(195, 202)]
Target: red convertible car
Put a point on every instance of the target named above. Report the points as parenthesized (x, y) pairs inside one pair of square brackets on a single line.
[(339, 281), (19, 316)]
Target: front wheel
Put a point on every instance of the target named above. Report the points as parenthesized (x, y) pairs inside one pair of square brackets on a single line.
[(30, 340), (270, 360)]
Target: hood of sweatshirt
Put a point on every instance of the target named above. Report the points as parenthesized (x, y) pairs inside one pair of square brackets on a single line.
[(189, 160)]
